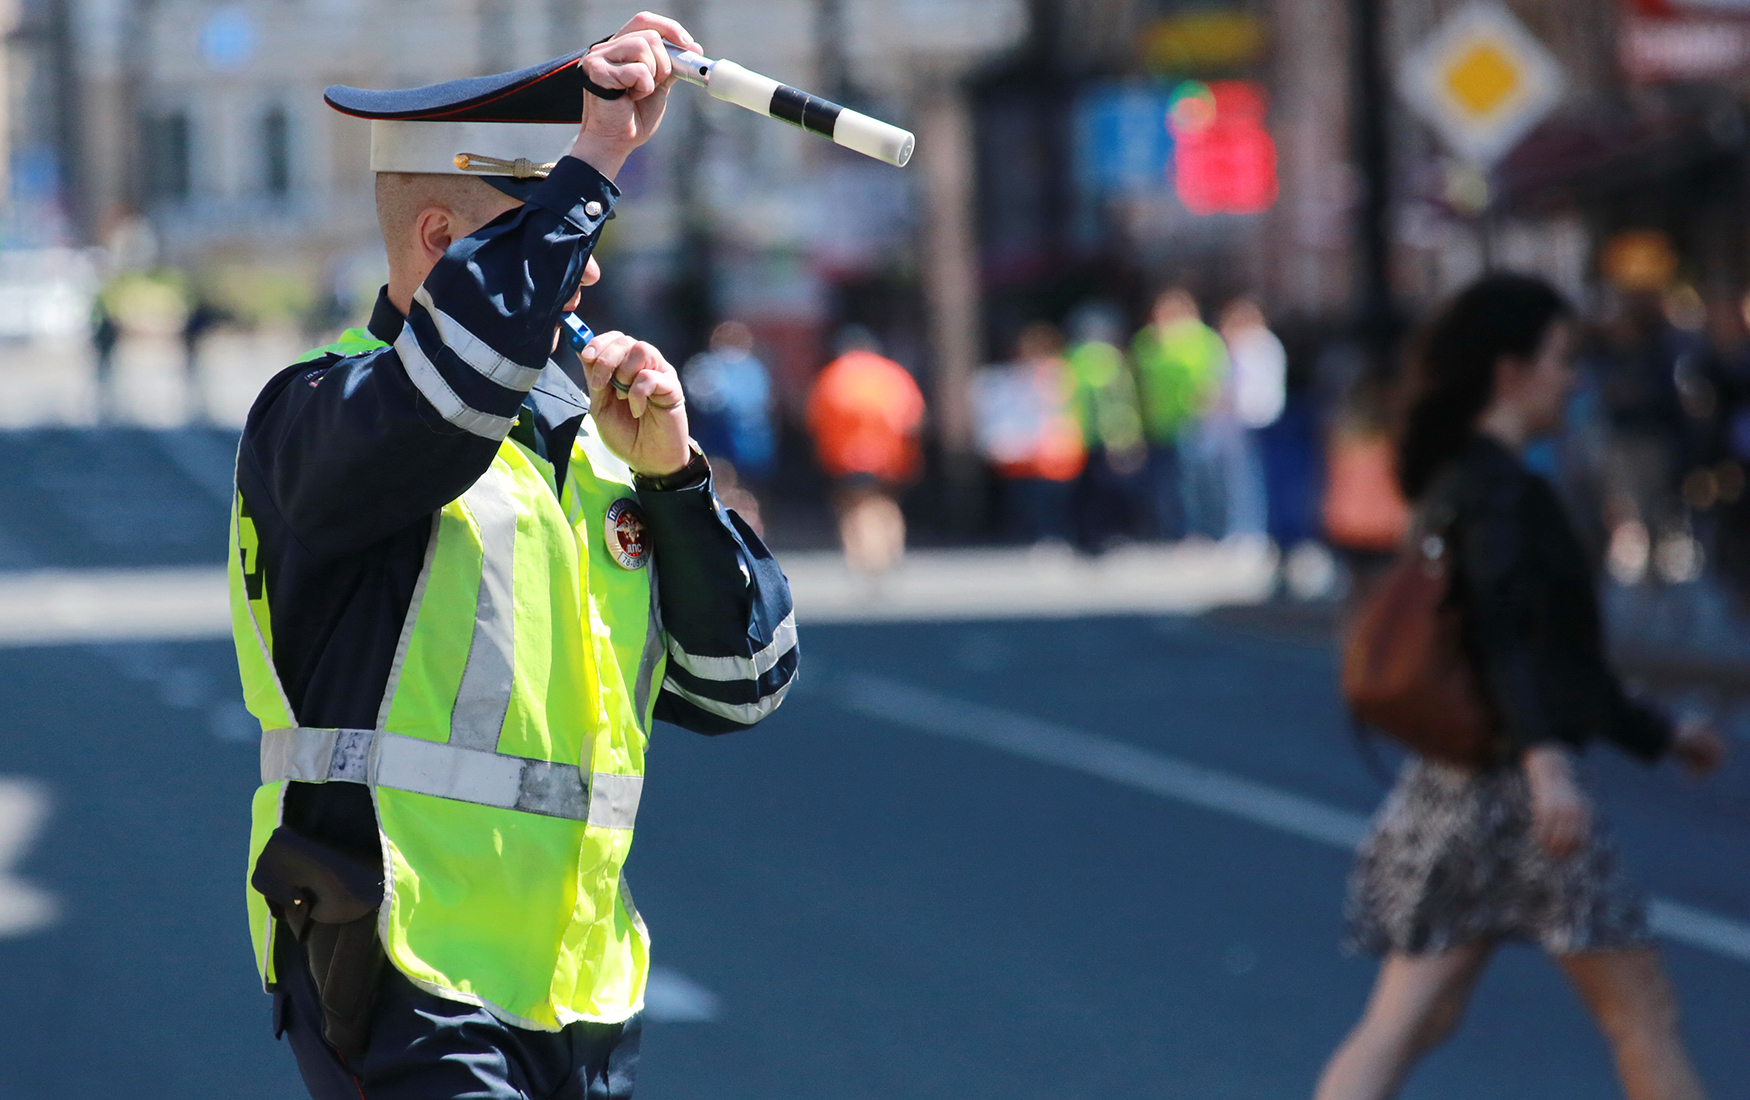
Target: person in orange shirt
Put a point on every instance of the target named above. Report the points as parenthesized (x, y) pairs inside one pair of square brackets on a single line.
[(865, 413)]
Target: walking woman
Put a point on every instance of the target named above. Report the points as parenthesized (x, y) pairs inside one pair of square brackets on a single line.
[(1460, 859)]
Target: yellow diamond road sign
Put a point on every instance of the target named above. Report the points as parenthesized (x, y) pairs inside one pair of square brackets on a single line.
[(1482, 81)]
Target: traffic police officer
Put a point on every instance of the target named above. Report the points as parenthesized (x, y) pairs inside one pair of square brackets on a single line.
[(446, 601)]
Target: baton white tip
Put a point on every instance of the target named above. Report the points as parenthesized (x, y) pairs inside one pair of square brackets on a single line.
[(874, 138)]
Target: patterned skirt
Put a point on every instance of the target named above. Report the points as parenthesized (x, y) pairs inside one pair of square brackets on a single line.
[(1451, 860)]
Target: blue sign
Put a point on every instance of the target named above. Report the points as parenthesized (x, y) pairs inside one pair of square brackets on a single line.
[(1123, 143), (228, 39)]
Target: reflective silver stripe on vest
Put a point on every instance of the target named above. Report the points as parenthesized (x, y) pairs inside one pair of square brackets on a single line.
[(613, 800), (653, 652), (483, 696), (487, 778), (303, 754), (631, 906), (467, 768), (441, 770)]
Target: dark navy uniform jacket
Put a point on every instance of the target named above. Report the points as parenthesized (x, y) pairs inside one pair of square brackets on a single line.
[(344, 461)]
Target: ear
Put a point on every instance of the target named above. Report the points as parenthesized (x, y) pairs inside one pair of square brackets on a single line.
[(434, 230)]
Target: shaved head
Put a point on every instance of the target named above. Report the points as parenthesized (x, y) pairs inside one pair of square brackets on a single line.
[(403, 196)]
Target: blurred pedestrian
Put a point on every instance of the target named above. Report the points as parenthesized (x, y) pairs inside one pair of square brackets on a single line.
[(202, 317), (1111, 500), (730, 393), (1180, 368), (1462, 859), (1027, 432), (105, 335), (865, 413), (1729, 337), (1362, 509), (1293, 446), (1254, 396), (1637, 364)]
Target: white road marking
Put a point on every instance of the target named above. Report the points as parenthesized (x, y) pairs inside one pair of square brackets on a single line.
[(24, 908), (1092, 754), (1051, 743), (939, 585), (55, 607), (58, 607), (1700, 928), (671, 997)]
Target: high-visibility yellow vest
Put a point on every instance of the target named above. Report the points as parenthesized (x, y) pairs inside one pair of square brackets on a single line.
[(507, 758)]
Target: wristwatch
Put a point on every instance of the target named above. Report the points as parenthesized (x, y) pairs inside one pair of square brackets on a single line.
[(694, 474)]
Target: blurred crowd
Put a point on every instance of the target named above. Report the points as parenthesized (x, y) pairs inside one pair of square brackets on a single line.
[(865, 416), (1192, 426), (1177, 432), (1656, 440), (1091, 441), (1162, 435), (1199, 424), (1653, 451)]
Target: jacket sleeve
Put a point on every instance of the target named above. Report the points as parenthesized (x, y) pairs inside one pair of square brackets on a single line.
[(1548, 679), (1609, 711), (352, 450), (1503, 606), (726, 614), (1635, 728)]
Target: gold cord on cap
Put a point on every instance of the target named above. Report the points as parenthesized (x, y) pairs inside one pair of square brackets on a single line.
[(522, 167)]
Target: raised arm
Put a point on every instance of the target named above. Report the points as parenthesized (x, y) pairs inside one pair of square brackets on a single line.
[(350, 450)]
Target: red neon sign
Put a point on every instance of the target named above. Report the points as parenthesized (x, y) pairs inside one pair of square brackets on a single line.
[(1225, 160)]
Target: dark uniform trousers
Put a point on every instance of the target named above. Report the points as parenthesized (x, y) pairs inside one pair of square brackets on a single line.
[(424, 1047)]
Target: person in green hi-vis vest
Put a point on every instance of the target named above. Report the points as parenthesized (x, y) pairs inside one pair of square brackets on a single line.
[(1180, 366), (471, 566), (1108, 503)]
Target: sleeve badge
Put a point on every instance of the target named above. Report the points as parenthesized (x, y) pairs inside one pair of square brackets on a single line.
[(627, 542)]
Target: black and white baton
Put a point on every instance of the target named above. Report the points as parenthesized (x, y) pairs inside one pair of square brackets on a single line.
[(762, 95)]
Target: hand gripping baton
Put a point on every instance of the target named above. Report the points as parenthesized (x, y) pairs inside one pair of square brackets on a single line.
[(762, 95)]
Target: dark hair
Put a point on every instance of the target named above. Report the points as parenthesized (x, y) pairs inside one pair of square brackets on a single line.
[(1452, 375)]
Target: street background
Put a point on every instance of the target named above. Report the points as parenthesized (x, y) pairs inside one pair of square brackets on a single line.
[(1063, 801)]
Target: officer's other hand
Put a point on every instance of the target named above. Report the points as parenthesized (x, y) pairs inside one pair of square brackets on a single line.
[(636, 60), (636, 402)]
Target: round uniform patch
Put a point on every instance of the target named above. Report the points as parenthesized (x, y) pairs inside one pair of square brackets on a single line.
[(627, 543)]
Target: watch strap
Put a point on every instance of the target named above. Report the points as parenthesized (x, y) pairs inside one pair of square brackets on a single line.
[(695, 473)]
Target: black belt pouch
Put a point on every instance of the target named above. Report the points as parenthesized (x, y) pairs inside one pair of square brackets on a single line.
[(328, 898)]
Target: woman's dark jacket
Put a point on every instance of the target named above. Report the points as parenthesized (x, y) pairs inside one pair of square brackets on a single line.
[(1531, 609)]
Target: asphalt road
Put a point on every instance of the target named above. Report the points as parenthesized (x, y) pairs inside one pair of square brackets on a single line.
[(862, 908)]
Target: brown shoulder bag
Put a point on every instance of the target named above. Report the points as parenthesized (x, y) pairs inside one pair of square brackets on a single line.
[(1406, 672)]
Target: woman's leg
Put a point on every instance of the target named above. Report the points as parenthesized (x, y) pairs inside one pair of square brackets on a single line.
[(1636, 1009), (1416, 1003)]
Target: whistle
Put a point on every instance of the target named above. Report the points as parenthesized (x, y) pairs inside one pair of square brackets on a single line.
[(577, 334)]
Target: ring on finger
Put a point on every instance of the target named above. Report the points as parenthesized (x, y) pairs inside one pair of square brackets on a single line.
[(619, 386), (678, 402)]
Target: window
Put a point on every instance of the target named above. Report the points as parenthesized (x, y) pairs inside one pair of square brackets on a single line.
[(276, 152), (167, 143)]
